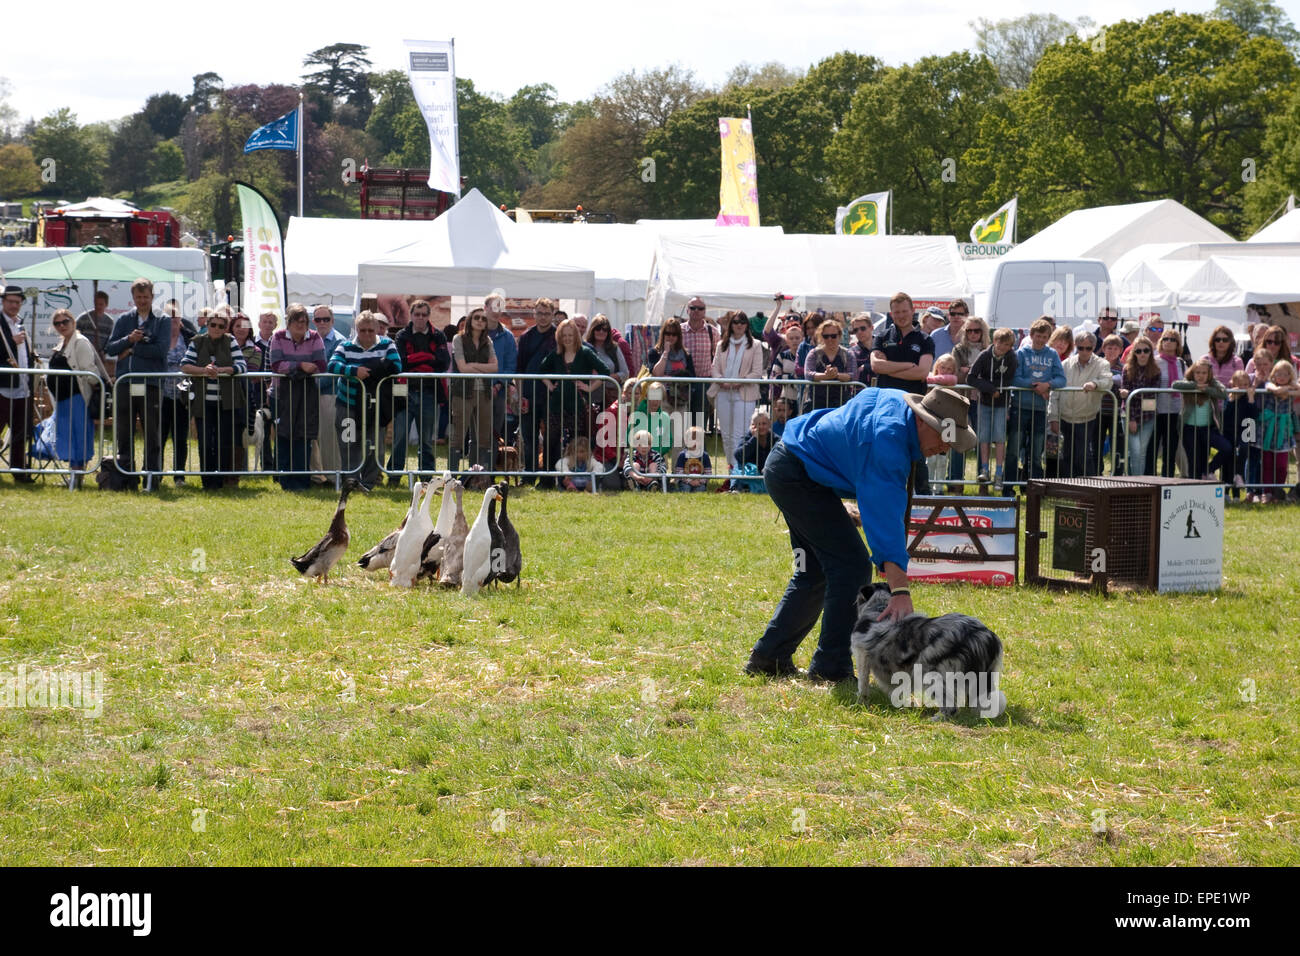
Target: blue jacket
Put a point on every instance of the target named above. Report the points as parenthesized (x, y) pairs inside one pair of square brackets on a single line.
[(507, 349), (864, 449), (147, 355), (1034, 368)]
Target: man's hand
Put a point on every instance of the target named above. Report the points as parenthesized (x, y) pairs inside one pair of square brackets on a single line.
[(363, 373), (899, 606), (135, 335), (1090, 386), (1043, 389), (211, 370), (308, 367)]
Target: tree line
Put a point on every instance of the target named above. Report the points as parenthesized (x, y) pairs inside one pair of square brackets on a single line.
[(1204, 109)]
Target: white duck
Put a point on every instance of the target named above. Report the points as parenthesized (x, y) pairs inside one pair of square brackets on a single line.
[(478, 548), (453, 555), (410, 542), (431, 559)]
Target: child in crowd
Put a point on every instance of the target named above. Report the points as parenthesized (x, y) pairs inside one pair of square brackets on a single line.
[(1201, 420), (785, 365), (1038, 371), (1240, 423), (783, 409), (1278, 427), (944, 371), (752, 455), (992, 374), (645, 468), (1112, 425), (693, 460), (577, 465)]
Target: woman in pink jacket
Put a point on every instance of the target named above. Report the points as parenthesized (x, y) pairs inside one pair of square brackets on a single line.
[(738, 356)]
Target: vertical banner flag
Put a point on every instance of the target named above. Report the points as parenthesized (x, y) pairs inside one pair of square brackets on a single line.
[(277, 134), (739, 194), (263, 253), (431, 67), (865, 216), (998, 228)]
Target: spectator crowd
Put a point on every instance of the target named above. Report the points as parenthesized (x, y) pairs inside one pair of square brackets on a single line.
[(700, 410)]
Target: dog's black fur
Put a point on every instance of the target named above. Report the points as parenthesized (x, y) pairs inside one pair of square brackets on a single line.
[(952, 644)]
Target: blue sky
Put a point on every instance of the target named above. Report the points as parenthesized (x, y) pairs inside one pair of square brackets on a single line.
[(104, 59)]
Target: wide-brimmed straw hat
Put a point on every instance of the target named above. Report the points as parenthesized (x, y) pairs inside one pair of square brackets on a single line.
[(948, 413)]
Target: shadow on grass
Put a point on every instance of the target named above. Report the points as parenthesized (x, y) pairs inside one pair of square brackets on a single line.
[(877, 702)]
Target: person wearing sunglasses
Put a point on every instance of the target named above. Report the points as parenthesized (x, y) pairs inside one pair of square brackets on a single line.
[(948, 337), (213, 359), (901, 357), (1140, 371), (363, 362), (1076, 415), (423, 349), (1108, 325), (828, 363), (74, 431), (738, 356)]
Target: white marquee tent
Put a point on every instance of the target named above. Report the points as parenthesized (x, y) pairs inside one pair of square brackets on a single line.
[(1286, 229), (470, 250), (321, 255), (744, 268), (1108, 232)]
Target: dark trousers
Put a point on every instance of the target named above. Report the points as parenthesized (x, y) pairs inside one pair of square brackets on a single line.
[(147, 409), (293, 454), (831, 565), (1198, 440), (1026, 436), (16, 416), (1079, 449), (217, 448), (1166, 439), (175, 425), (356, 444)]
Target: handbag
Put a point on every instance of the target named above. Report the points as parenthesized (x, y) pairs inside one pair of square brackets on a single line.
[(61, 386)]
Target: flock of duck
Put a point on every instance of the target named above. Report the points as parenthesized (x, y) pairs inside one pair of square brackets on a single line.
[(450, 551)]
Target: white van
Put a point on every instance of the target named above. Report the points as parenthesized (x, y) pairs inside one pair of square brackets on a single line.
[(1070, 290)]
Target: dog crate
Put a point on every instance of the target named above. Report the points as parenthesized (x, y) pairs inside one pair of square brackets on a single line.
[(1097, 533)]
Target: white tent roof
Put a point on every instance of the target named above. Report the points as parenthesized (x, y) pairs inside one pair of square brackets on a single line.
[(100, 206), (321, 255), (743, 268), (1151, 284), (1232, 281), (470, 250), (1286, 229), (1108, 232)]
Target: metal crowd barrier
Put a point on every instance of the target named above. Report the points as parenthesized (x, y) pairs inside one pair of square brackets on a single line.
[(271, 434), (538, 428), (46, 432), (1238, 455)]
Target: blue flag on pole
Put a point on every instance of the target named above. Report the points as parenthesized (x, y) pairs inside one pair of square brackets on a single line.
[(277, 134)]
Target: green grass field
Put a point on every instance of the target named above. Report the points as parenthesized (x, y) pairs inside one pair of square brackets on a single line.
[(598, 714)]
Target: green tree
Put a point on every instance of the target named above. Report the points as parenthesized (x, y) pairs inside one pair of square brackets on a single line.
[(77, 156), (1016, 45), (772, 75), (790, 128), (339, 75), (598, 160), (834, 81), (207, 90), (536, 111), (493, 150), (1174, 106), (19, 174), (908, 132), (167, 164), (1260, 18), (129, 157), (8, 115), (1279, 174), (393, 98), (165, 112)]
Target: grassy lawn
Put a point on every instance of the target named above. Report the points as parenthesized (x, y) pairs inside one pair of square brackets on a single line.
[(598, 714)]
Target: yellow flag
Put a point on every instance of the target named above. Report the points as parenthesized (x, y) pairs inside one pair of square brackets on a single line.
[(739, 194)]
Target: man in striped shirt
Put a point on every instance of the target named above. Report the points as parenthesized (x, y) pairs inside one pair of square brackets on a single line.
[(364, 361), (699, 339)]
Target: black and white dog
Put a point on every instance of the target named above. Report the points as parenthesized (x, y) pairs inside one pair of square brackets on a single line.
[(947, 662)]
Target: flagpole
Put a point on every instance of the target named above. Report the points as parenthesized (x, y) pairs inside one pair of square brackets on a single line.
[(1015, 224), (299, 155), (889, 215)]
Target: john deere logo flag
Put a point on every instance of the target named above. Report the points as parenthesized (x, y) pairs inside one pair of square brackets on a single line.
[(997, 228), (865, 216), (738, 196)]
